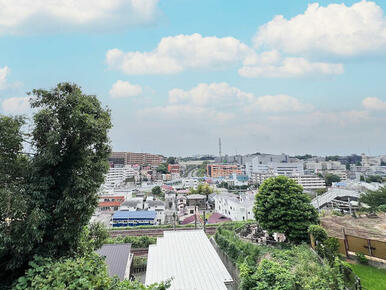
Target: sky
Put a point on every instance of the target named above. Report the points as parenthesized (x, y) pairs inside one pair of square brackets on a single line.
[(278, 76)]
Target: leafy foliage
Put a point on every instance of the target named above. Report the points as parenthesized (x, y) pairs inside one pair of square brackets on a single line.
[(202, 188), (156, 190), (136, 242), (330, 178), (289, 267), (374, 199), (362, 258), (281, 206), (87, 272), (47, 198), (163, 168)]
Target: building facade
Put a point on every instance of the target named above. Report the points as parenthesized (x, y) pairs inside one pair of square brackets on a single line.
[(222, 170)]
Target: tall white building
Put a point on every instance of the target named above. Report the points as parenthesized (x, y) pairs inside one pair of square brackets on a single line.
[(237, 208), (264, 165)]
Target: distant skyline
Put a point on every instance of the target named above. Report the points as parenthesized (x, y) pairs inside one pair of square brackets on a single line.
[(291, 77)]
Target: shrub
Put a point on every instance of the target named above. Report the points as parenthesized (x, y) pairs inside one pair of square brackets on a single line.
[(271, 275), (382, 208), (362, 258), (318, 232)]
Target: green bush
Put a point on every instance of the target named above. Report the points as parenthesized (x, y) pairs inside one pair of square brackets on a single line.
[(135, 241), (87, 272), (362, 259), (318, 232), (382, 208), (271, 275)]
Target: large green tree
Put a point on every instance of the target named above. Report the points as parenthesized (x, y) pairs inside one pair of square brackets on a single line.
[(44, 213), (374, 199), (281, 206), (330, 178)]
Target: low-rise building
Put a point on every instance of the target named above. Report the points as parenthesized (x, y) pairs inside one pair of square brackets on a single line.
[(196, 200), (124, 218), (188, 257), (110, 203)]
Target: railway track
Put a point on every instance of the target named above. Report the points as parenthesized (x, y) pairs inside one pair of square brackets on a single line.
[(154, 232)]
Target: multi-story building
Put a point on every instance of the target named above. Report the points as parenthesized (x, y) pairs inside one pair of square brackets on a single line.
[(309, 182), (236, 207), (222, 170), (174, 168), (130, 158), (265, 166)]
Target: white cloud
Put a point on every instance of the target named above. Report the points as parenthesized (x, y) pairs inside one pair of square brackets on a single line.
[(204, 94), (278, 103), (122, 89), (177, 53), (374, 104), (3, 77), (16, 105), (22, 17), (218, 103), (270, 64), (336, 28)]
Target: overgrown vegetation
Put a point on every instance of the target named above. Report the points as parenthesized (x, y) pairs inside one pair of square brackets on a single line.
[(136, 242), (284, 267), (85, 272), (362, 259)]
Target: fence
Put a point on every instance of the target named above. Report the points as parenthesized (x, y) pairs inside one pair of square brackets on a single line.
[(369, 247)]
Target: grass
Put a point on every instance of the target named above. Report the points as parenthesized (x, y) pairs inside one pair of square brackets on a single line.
[(371, 278)]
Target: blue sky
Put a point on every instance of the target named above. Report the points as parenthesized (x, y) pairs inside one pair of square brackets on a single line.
[(269, 76)]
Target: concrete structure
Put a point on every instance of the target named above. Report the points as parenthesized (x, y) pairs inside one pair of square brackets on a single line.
[(190, 259), (259, 165), (130, 158), (309, 182), (134, 218), (174, 168), (222, 170), (235, 207), (118, 259)]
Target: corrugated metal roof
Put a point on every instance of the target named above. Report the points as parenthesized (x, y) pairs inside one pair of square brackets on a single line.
[(117, 257), (139, 214), (189, 258)]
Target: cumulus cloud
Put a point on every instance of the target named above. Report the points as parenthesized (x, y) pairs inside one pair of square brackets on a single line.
[(16, 105), (177, 53), (219, 103), (337, 29), (122, 89), (374, 104), (270, 64), (4, 71), (278, 103), (23, 17)]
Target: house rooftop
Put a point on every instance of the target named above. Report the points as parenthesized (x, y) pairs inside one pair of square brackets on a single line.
[(117, 258), (188, 257), (195, 196), (139, 214)]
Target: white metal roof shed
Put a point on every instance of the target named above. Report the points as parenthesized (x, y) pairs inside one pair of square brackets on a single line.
[(189, 258)]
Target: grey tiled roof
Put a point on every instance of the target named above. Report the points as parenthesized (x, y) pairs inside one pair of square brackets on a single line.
[(117, 257)]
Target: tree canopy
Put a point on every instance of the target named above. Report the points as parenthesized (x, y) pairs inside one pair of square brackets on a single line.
[(330, 178), (48, 196), (281, 206), (374, 199)]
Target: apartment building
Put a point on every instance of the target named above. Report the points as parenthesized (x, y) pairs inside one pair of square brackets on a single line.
[(222, 170), (131, 158), (174, 168), (235, 207)]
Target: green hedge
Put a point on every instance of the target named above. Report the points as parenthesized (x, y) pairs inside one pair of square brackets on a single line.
[(283, 267), (136, 242)]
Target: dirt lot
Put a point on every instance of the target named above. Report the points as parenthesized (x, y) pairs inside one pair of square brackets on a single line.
[(365, 227)]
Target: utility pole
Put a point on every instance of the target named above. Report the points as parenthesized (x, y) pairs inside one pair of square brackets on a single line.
[(204, 222), (219, 148), (195, 218)]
